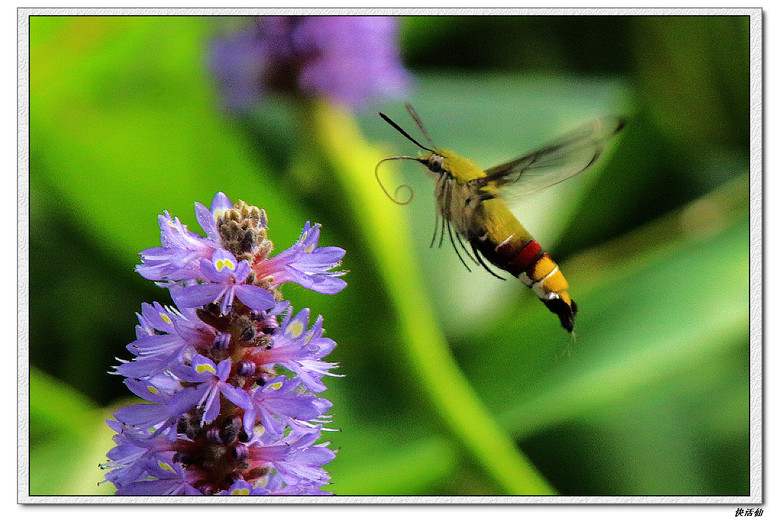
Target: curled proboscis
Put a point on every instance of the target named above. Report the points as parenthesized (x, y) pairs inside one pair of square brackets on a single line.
[(394, 197)]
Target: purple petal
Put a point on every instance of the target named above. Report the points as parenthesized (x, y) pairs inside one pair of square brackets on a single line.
[(223, 369), (186, 399), (206, 221), (237, 396), (321, 259), (242, 271), (323, 284), (254, 297), (144, 390), (211, 406), (197, 295), (143, 415), (317, 456), (249, 420), (219, 204)]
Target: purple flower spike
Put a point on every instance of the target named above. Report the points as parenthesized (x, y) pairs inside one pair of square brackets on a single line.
[(353, 60), (214, 403)]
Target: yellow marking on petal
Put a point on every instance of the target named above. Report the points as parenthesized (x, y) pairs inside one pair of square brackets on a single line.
[(240, 491), (295, 329), (165, 466), (309, 336), (205, 367), (221, 264), (262, 481), (309, 249), (165, 318), (152, 390), (277, 385)]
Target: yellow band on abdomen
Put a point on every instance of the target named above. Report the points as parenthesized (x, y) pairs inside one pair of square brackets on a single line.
[(555, 282)]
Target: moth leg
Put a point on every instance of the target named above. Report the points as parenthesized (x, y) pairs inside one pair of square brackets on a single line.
[(481, 261), (435, 229), (460, 241), (449, 230)]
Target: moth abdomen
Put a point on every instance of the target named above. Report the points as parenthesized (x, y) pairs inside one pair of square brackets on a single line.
[(527, 261)]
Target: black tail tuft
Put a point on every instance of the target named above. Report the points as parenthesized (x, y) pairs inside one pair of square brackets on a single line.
[(563, 311)]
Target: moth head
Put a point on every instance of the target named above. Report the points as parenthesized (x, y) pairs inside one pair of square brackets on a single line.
[(433, 161)]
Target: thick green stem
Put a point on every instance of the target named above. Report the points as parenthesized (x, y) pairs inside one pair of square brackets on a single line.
[(388, 235)]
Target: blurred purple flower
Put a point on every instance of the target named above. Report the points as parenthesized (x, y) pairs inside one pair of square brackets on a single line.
[(353, 60)]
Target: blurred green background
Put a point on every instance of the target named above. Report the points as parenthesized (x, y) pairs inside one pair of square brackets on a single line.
[(652, 397)]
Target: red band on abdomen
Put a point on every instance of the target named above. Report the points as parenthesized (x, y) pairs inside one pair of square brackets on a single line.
[(525, 258)]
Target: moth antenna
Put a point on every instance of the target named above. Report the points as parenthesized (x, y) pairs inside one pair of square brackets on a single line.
[(395, 193), (403, 132), (417, 120)]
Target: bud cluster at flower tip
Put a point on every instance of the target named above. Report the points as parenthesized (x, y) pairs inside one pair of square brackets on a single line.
[(231, 372)]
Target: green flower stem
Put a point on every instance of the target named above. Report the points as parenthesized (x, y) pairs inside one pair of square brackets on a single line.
[(387, 233)]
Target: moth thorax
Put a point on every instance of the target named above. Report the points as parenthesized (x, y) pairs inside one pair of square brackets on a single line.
[(243, 231)]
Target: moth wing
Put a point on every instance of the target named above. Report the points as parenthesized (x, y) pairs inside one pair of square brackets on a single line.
[(562, 159)]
